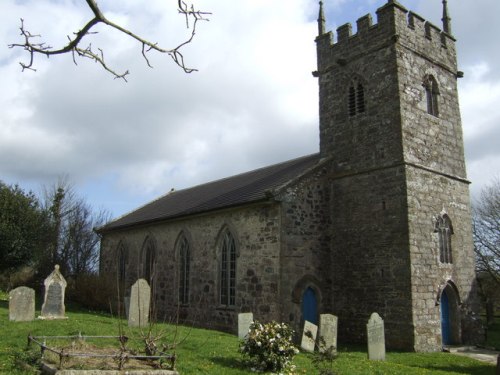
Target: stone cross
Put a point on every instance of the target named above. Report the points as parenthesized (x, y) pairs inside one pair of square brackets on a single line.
[(244, 322), (53, 302), (22, 304), (140, 298), (376, 338), (309, 336), (328, 332)]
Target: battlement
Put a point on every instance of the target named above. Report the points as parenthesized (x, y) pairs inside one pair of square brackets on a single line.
[(394, 23)]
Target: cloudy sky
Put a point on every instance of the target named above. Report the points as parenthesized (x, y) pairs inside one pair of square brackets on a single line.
[(252, 103)]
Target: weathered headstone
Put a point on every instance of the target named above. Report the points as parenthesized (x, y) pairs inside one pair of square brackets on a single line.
[(244, 322), (309, 336), (328, 332), (53, 302), (376, 338), (22, 304), (140, 297)]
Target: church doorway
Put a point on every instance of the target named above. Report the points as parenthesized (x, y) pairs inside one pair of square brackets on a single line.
[(450, 320), (310, 306)]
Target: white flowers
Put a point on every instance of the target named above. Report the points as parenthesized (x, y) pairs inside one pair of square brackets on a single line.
[(269, 347)]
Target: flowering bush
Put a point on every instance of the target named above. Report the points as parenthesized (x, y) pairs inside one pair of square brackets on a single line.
[(269, 347)]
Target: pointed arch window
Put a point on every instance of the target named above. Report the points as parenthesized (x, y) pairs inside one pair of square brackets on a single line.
[(356, 98), (228, 270), (444, 229), (148, 261), (184, 270), (122, 266), (431, 95)]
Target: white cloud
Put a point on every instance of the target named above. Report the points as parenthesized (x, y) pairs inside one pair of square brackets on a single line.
[(252, 103)]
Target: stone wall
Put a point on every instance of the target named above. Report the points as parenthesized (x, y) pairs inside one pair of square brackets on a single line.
[(305, 248), (370, 259), (257, 233), (430, 194)]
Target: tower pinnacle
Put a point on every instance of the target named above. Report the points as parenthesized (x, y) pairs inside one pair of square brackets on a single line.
[(446, 18), (321, 20)]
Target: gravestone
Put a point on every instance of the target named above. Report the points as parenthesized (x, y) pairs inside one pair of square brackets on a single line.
[(140, 298), (328, 332), (244, 322), (309, 336), (22, 304), (376, 338), (53, 302)]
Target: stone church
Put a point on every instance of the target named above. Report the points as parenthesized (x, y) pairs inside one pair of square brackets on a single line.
[(378, 221)]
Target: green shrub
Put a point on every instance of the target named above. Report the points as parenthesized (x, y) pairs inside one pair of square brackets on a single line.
[(269, 347)]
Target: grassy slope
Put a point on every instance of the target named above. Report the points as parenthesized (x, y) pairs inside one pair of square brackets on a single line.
[(211, 352)]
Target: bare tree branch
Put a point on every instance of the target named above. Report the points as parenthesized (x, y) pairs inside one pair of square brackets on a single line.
[(486, 231), (74, 43)]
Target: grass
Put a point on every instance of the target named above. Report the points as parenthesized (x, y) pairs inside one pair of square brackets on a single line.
[(212, 352)]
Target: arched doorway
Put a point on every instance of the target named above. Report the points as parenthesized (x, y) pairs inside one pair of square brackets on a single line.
[(450, 316), (310, 306)]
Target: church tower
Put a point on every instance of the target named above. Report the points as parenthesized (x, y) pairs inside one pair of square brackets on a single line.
[(401, 238)]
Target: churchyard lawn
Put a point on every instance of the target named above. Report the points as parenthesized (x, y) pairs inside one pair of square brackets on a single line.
[(212, 352)]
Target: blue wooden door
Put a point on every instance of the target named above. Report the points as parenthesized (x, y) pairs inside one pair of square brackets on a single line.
[(445, 319), (310, 306)]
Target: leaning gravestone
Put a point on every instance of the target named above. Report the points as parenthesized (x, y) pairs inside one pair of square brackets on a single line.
[(22, 304), (244, 322), (376, 338), (328, 332), (53, 302), (309, 336), (140, 297)]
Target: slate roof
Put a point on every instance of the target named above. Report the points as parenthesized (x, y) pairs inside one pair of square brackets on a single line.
[(232, 191)]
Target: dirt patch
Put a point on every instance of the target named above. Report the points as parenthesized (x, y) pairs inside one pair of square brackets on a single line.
[(86, 356)]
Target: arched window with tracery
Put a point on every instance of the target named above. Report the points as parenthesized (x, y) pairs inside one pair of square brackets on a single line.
[(184, 270), (227, 269), (431, 95), (122, 266), (148, 260), (444, 229)]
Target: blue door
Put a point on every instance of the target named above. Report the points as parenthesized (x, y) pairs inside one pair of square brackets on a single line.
[(445, 319), (310, 306)]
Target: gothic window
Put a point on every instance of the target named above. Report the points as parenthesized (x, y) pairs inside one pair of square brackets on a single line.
[(122, 266), (148, 261), (444, 229), (431, 94), (360, 98), (356, 99), (352, 101), (184, 270), (228, 270)]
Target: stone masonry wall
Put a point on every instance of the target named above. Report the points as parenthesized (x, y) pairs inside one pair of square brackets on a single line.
[(305, 247), (370, 258), (429, 195), (257, 234)]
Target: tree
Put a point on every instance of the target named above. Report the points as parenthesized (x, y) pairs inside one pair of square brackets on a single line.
[(75, 244), (74, 43), (24, 225), (486, 231)]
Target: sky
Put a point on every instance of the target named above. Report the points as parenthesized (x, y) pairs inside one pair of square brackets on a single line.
[(253, 101)]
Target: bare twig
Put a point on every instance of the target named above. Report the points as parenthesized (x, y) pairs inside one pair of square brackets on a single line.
[(74, 48)]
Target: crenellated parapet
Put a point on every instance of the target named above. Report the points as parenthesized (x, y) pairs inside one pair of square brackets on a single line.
[(394, 24)]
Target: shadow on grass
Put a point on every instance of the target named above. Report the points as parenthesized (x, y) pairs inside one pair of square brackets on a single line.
[(4, 304), (479, 369), (233, 363)]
